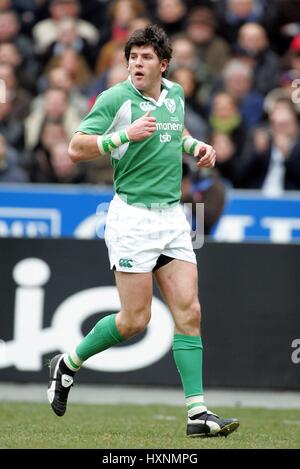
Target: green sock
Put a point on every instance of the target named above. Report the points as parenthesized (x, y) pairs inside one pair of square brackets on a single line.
[(187, 351), (103, 336)]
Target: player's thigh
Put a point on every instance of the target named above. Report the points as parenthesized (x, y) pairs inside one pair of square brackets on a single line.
[(135, 291), (178, 283)]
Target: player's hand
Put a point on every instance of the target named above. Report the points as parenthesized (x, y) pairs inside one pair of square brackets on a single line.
[(142, 128), (207, 155)]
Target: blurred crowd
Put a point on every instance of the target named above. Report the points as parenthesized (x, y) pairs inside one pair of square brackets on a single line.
[(237, 60)]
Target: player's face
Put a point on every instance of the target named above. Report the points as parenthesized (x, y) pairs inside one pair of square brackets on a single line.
[(145, 68)]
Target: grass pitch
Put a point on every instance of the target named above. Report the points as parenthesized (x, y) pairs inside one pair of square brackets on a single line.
[(33, 425)]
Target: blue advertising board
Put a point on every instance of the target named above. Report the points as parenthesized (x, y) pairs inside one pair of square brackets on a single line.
[(249, 216), (79, 211), (51, 211)]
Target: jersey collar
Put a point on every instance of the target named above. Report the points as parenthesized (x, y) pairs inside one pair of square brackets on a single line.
[(167, 85)]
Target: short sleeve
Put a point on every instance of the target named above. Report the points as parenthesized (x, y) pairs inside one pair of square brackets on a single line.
[(101, 116)]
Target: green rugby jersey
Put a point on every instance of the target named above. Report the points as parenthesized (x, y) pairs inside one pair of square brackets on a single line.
[(148, 172)]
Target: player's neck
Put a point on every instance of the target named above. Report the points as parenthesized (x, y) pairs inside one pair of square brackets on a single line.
[(154, 92)]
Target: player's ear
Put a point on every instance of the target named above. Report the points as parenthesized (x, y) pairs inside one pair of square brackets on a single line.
[(164, 65)]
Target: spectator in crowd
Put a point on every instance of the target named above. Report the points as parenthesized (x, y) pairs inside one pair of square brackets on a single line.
[(10, 127), (139, 22), (288, 89), (10, 32), (10, 169), (75, 65), (55, 108), (227, 158), (25, 71), (29, 12), (292, 58), (111, 54), (185, 54), (212, 50), (46, 32), (236, 13), (238, 81), (272, 161), (68, 36), (64, 170), (21, 98), (39, 161), (283, 21), (61, 79), (225, 119), (94, 11), (120, 14), (10, 55), (253, 44), (116, 74), (19, 45), (5, 5), (170, 15)]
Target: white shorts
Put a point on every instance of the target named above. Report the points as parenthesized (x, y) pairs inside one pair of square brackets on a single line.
[(137, 236)]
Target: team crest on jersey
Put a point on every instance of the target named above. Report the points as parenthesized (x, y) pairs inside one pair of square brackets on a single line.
[(170, 105), (146, 106)]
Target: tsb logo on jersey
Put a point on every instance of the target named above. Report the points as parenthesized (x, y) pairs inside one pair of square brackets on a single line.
[(163, 138)]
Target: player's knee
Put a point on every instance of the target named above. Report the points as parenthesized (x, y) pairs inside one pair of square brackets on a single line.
[(141, 322), (194, 314), (191, 318), (136, 324)]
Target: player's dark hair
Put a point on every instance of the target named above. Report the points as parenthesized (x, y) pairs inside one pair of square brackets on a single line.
[(153, 36)]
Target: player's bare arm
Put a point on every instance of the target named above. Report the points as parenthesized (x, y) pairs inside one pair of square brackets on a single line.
[(205, 153), (85, 147)]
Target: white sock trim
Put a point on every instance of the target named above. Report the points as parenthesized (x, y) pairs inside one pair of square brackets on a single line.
[(194, 399), (197, 410), (75, 359), (196, 404)]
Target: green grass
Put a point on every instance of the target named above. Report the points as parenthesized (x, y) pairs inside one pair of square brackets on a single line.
[(30, 425)]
